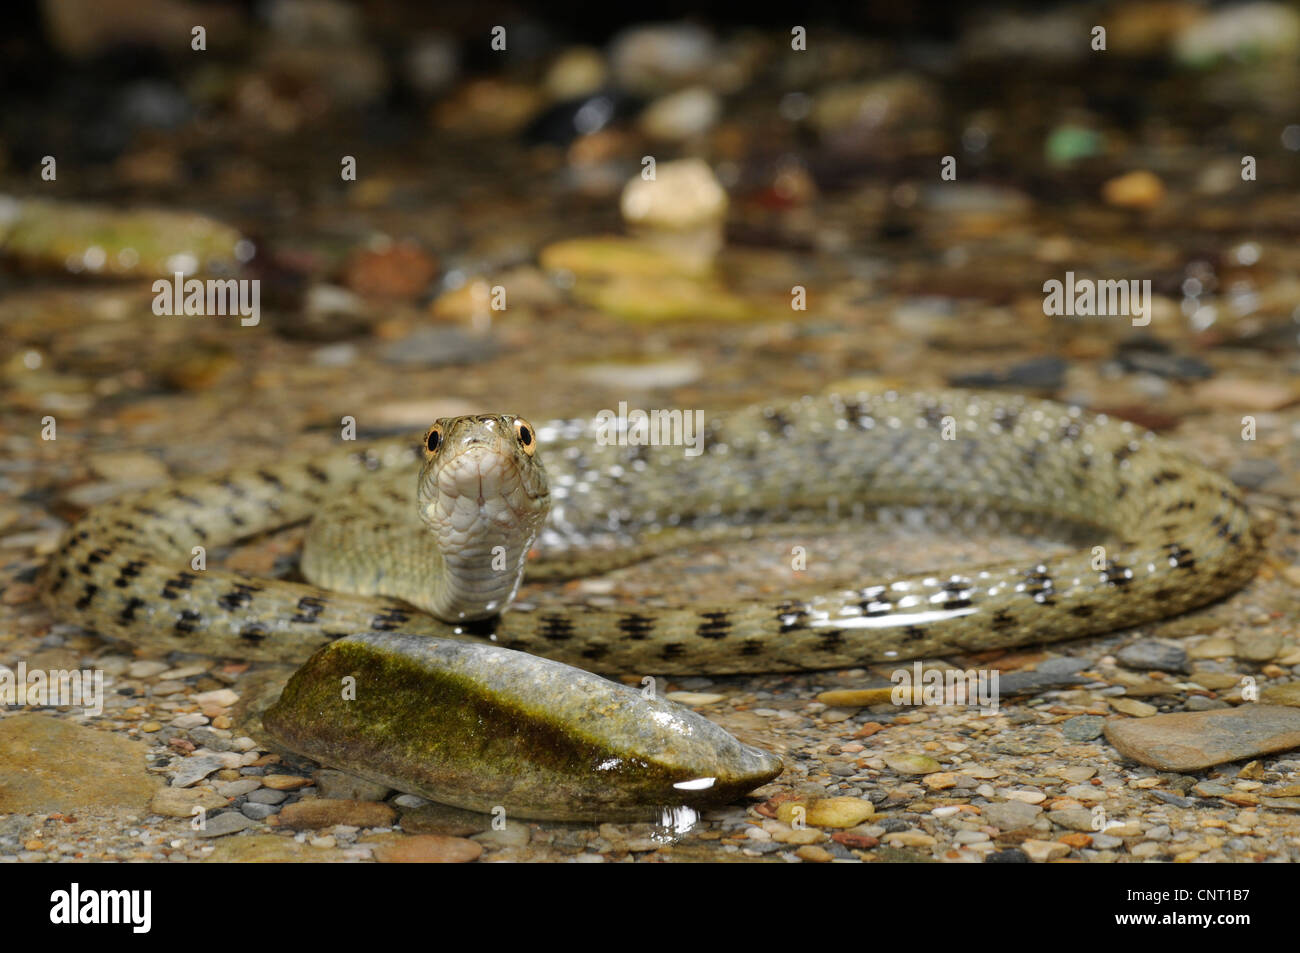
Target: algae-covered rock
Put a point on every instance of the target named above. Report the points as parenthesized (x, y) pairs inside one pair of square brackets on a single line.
[(102, 241), (480, 727)]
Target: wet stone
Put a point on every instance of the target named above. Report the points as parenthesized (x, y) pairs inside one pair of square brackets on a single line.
[(349, 787), (51, 764), (443, 819), (1011, 815), (1040, 373), (438, 347), (449, 696), (1148, 654), (181, 802), (428, 849), (1196, 740), (316, 813), (1084, 727), (1075, 819), (1211, 789), (221, 825)]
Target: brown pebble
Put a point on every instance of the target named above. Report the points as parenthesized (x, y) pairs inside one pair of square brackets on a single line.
[(855, 841), (815, 854), (315, 813), (1140, 189), (284, 782), (428, 849)]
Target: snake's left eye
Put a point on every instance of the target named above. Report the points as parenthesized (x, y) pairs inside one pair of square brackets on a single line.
[(432, 440), (527, 439)]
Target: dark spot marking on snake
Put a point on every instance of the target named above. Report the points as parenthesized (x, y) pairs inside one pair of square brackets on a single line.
[(483, 628), (233, 488), (129, 572), (309, 607), (1166, 476), (390, 619), (266, 476), (1124, 452), (714, 626), (792, 616), (636, 627), (913, 633), (1082, 612), (1032, 456), (672, 650), (60, 579), (1180, 557), (831, 641), (186, 498), (1002, 620), (254, 632), (777, 422), (556, 628), (128, 611), (1182, 505), (934, 415), (87, 595), (874, 608), (239, 598), (316, 473), (1116, 575), (1039, 585), (751, 647), (595, 652), (182, 580), (148, 511), (1163, 595), (188, 621)]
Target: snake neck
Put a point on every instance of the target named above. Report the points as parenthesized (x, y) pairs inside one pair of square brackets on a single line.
[(479, 579)]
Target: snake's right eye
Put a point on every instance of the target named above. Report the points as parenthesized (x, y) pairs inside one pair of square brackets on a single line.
[(432, 440)]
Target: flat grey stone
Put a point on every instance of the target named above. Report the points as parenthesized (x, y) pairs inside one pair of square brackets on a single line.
[(1011, 815), (1148, 654), (231, 822), (1191, 741)]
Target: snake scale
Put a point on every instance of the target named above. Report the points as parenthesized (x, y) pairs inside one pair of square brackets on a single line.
[(1176, 535)]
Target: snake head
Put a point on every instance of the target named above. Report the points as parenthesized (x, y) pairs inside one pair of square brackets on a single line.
[(482, 482)]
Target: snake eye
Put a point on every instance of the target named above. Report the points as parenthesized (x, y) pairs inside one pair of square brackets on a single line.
[(527, 439), (432, 440)]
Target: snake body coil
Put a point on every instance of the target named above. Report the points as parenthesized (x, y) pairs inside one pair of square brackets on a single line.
[(1178, 536)]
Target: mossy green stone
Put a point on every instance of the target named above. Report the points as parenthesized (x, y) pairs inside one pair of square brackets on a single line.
[(479, 727)]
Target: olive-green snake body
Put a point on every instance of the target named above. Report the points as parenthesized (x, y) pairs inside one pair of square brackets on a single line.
[(1176, 536)]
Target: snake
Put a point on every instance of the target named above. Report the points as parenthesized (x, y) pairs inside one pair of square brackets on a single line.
[(432, 537)]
